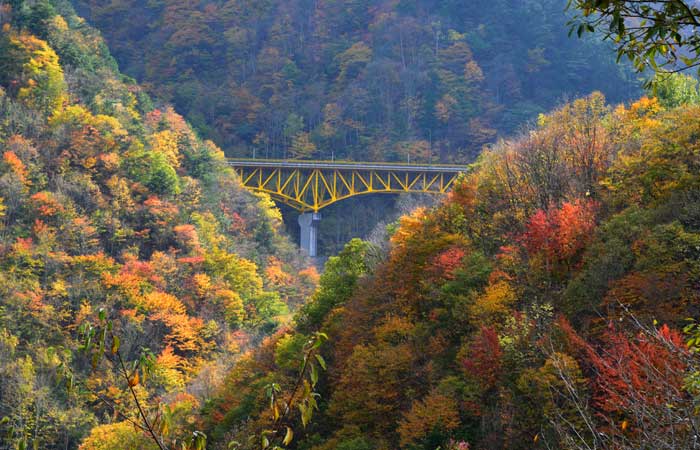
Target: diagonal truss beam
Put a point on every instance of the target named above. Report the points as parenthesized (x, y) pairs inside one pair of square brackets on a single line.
[(312, 185)]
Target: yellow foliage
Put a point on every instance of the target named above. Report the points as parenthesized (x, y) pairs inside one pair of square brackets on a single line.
[(233, 306), (74, 115), (161, 303), (302, 146), (165, 142), (43, 86), (84, 312), (59, 288), (59, 23), (271, 210), (202, 284), (493, 304), (169, 369), (394, 330), (110, 126), (434, 412), (117, 436)]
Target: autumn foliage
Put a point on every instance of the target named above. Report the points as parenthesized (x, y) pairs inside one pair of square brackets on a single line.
[(109, 211), (519, 313), (537, 306)]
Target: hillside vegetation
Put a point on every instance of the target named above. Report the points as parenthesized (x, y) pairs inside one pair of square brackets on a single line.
[(149, 302), (373, 80), (359, 79), (111, 209), (539, 306)]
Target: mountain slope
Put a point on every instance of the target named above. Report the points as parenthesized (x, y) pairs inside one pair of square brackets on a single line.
[(112, 209), (363, 80), (539, 306)]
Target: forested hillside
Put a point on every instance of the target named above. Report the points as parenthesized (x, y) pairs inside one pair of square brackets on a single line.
[(409, 80), (114, 211), (358, 79), (540, 306), (149, 302)]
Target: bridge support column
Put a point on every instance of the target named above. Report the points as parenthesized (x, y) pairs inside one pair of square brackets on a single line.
[(308, 222)]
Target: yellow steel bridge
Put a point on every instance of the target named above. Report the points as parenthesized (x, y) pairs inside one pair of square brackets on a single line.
[(309, 186)]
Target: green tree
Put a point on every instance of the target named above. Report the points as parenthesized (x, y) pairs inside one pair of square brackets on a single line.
[(162, 178), (337, 283), (660, 35), (675, 90)]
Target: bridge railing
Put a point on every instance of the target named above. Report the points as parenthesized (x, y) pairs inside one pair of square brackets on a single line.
[(309, 186), (359, 165)]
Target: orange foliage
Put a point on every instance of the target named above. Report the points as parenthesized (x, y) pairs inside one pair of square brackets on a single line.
[(494, 305), (168, 359), (663, 294), (187, 237), (276, 274), (464, 193), (46, 203), (23, 245), (184, 330), (409, 226), (310, 274), (164, 212), (134, 277), (16, 165), (109, 161)]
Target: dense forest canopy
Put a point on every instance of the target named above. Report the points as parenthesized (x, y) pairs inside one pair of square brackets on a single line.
[(111, 209), (409, 80), (540, 306), (357, 79), (149, 302)]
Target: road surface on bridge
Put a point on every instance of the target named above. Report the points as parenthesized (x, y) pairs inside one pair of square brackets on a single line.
[(347, 165)]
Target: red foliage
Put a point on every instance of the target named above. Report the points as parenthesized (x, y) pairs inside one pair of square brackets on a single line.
[(562, 233), (162, 212), (194, 260), (634, 375), (153, 118), (23, 244), (142, 269), (483, 359), (630, 368), (446, 263)]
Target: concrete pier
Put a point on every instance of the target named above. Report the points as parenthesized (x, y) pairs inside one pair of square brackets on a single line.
[(308, 223)]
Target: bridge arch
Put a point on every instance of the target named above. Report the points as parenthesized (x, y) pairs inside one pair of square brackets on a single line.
[(309, 186)]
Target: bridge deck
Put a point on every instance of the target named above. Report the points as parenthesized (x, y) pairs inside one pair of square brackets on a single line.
[(346, 165), (309, 186)]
